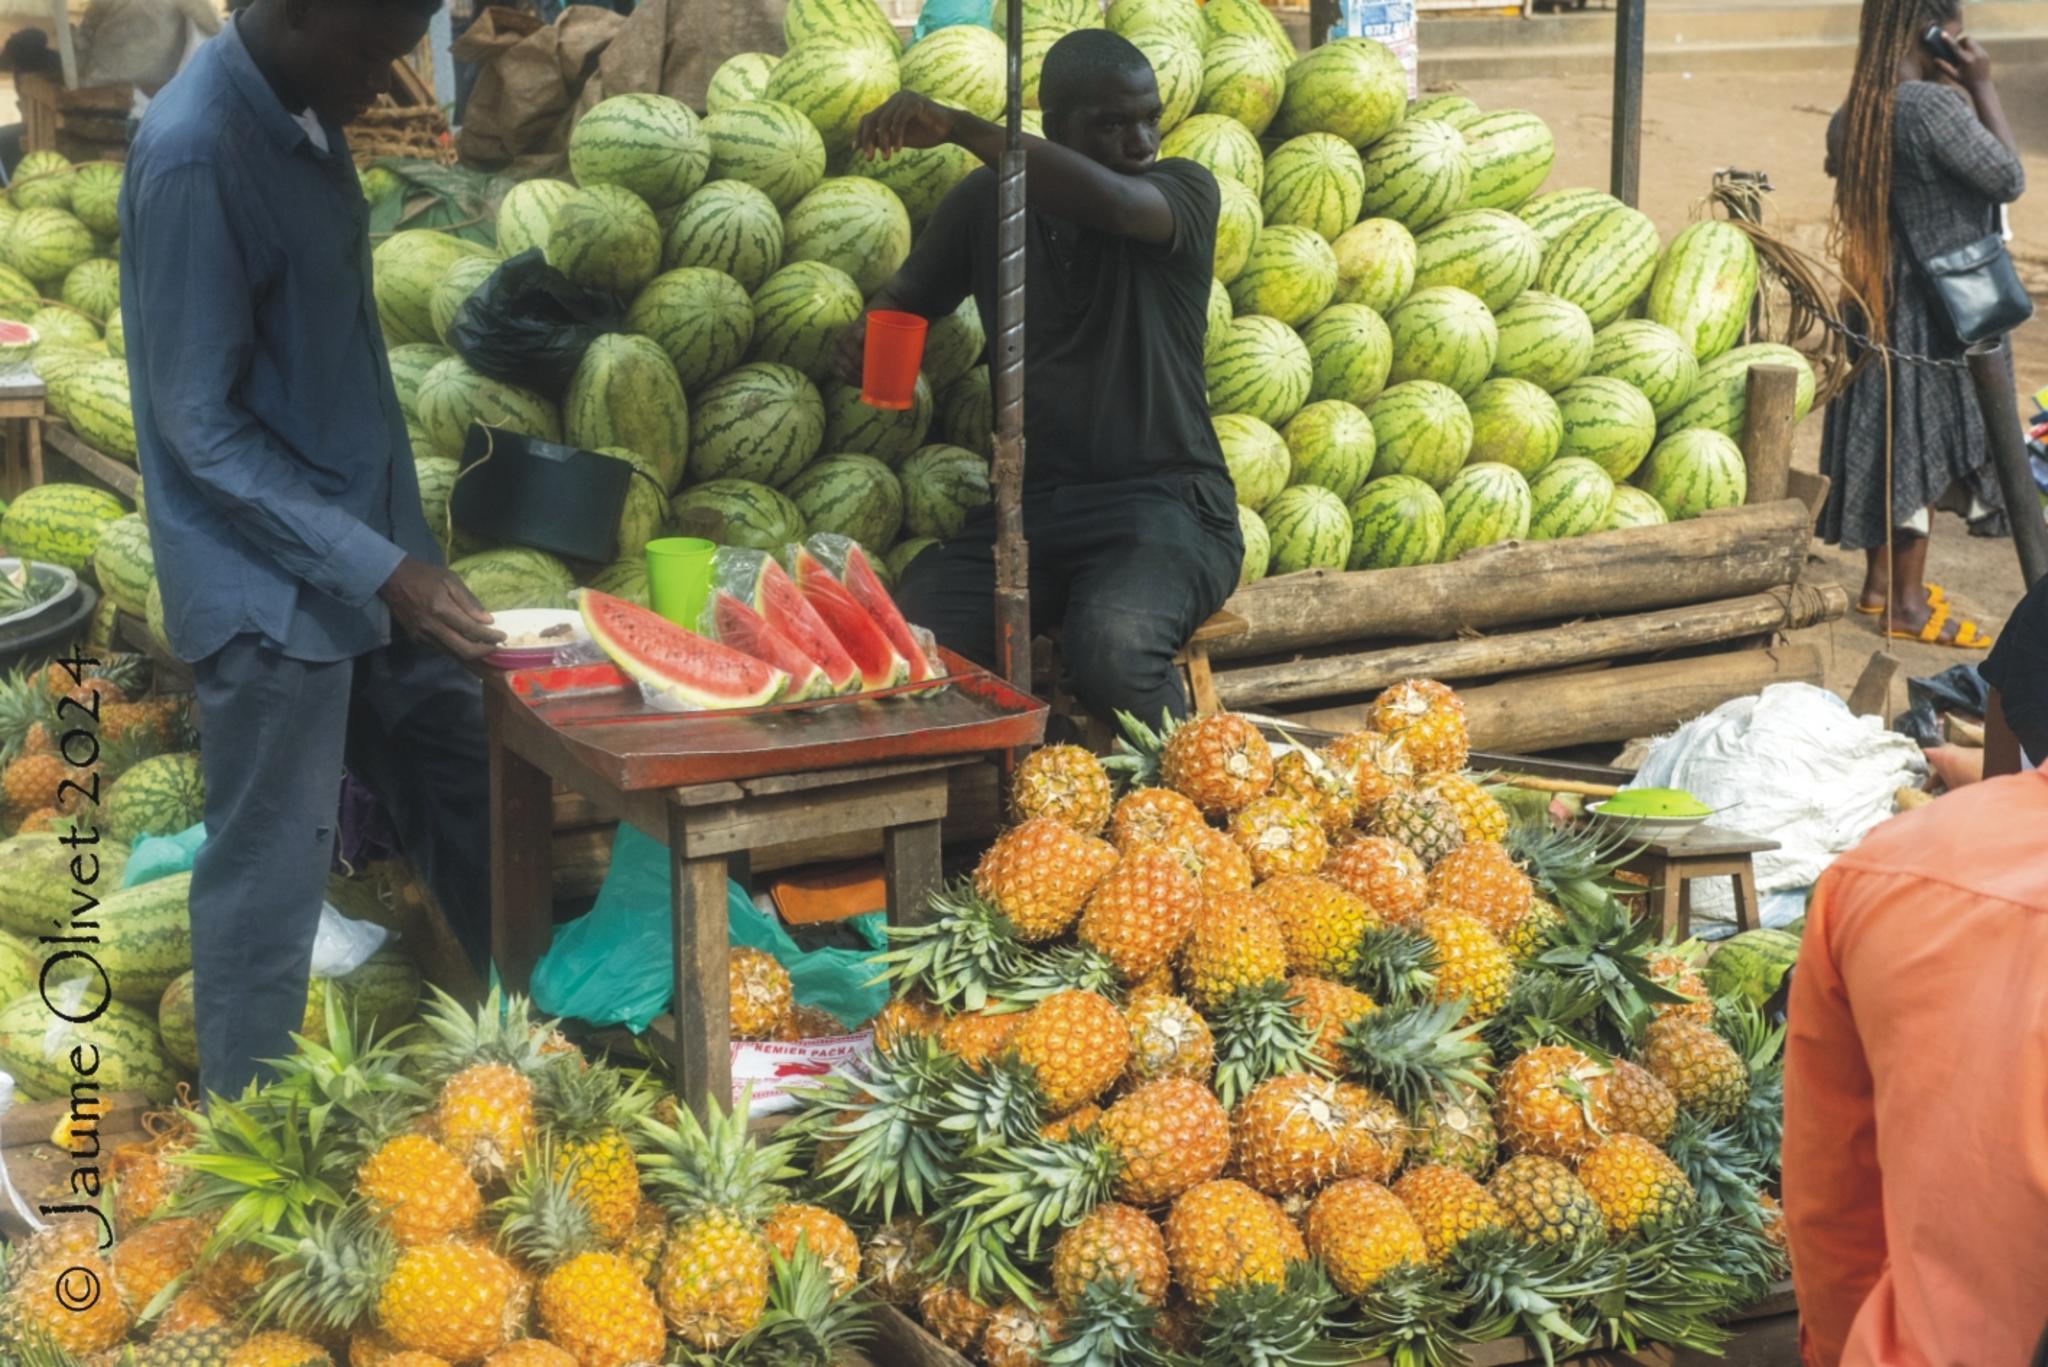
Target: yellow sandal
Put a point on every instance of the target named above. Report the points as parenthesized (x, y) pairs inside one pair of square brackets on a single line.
[(1968, 635)]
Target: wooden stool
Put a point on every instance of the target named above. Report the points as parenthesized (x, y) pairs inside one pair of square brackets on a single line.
[(1193, 660), (1703, 852)]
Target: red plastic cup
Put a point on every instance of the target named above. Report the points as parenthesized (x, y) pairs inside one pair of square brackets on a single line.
[(894, 351)]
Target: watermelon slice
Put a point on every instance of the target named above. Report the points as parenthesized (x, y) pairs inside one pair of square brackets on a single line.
[(678, 670), (732, 623), (849, 564), (880, 664), (784, 607)]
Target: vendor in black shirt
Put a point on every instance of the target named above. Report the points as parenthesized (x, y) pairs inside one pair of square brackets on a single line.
[(1128, 506)]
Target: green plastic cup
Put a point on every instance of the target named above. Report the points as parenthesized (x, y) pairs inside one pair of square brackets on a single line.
[(679, 577)]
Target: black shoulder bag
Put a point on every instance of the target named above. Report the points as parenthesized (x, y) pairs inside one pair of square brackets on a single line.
[(1979, 290)]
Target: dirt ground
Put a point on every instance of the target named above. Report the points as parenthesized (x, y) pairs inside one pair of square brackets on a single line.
[(1774, 122)]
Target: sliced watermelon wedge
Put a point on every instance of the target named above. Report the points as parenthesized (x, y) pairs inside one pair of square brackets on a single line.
[(732, 623), (850, 566), (881, 666), (783, 606), (678, 670)]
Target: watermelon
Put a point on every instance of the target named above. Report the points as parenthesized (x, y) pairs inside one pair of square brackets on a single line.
[(1751, 966), (1443, 334), (881, 664), (1238, 222), (740, 79), (1217, 326), (121, 563), (1180, 16), (625, 579), (1455, 110), (1314, 181), (1247, 17), (648, 144), (94, 399), (1608, 422), (436, 477), (407, 266), (1571, 497), (1331, 446), (1516, 424), (760, 423), (1310, 529), (1602, 263), (769, 146), (46, 244), (1290, 275), (515, 577), (1552, 214), (1376, 263), (1649, 356), (1178, 69), (1063, 14), (1243, 78), (1634, 508), (1487, 252), (94, 288), (1037, 41), (1423, 429), (677, 670), (1511, 152), (145, 936), (1705, 285), (36, 1047), (853, 223), (1720, 401), (1352, 87), (19, 298), (62, 323), (409, 365), (942, 486), (953, 344), (14, 346), (959, 66), (1417, 174), (1545, 340), (96, 197), (58, 524), (525, 212), (966, 414), (644, 514), (903, 552), (919, 177), (1258, 546), (1483, 505), (35, 876), (834, 85), (1396, 520), (849, 495), (756, 579), (1257, 457), (1261, 368), (161, 795), (732, 623), (1222, 144), (887, 434), (838, 560), (799, 314), (452, 396), (625, 394), (756, 517), (840, 21), (605, 238), (1693, 472), (700, 318), (726, 226)]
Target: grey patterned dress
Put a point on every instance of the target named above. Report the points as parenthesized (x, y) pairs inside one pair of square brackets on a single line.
[(1949, 175)]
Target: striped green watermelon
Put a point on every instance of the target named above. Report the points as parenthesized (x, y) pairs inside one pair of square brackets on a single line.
[(1423, 430), (851, 496), (625, 579), (701, 318), (1634, 508), (94, 288), (1608, 422), (676, 669), (1181, 16), (1352, 87), (94, 399), (1554, 213), (959, 66), (1695, 471), (96, 197), (1396, 520), (1220, 314), (145, 939), (1417, 174), (1512, 151), (739, 79), (1602, 263), (36, 1047), (756, 517), (1243, 78), (942, 485), (899, 556), (407, 265), (953, 344), (1752, 965), (853, 223), (772, 147), (58, 524), (1258, 547), (161, 795), (1177, 69), (1257, 456), (1037, 41), (1487, 252), (46, 244), (1350, 352), (464, 278), (625, 394), (834, 85), (436, 477), (1222, 144), (1649, 356), (516, 577), (1376, 262), (1262, 368), (760, 422), (726, 226), (19, 297), (62, 323), (452, 396), (1455, 110), (525, 212), (42, 180), (839, 21), (1064, 14), (1569, 497), (1704, 286), (919, 177), (1484, 504), (966, 413), (605, 238), (1239, 220), (1331, 446), (1443, 334), (1250, 17), (799, 314), (1720, 401), (115, 338), (1545, 340), (1314, 181), (122, 564), (1516, 424), (35, 874), (1310, 529), (645, 143), (1290, 275), (889, 435)]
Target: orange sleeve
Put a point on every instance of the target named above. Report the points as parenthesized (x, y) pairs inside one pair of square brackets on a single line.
[(1833, 1208)]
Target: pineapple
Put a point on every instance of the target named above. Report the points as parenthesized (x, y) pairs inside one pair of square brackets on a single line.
[(1544, 1202), (39, 820), (1703, 1071), (525, 1353), (1673, 973), (1360, 1231), (189, 1312), (1457, 1131), (1382, 1132), (1015, 1336), (1774, 1221), (1424, 822), (1297, 1132), (1141, 913), (823, 1234), (484, 1063), (1076, 1122), (23, 708), (190, 1348), (1281, 836), (372, 1348), (1328, 1009), (30, 782), (1373, 766), (1040, 875), (1544, 1103), (1223, 1235), (1169, 1038), (1075, 1045), (277, 1349), (1480, 815), (1220, 763), (1237, 942), (1637, 1188), (143, 1179), (1384, 872), (1449, 1207), (760, 994), (1480, 879), (904, 1019), (407, 1358), (1114, 1243), (1533, 933), (955, 1317), (1151, 816), (1429, 721), (592, 1108), (1471, 965), (1322, 923), (809, 1023), (595, 1307), (148, 1259), (1318, 785), (1630, 1100), (1219, 863), (422, 1188), (1167, 1136), (230, 1275), (1065, 783), (894, 1258), (61, 1289), (975, 1037), (643, 1244)]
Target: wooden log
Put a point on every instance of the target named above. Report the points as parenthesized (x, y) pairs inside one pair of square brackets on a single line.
[(1293, 682), (1722, 555), (1614, 704), (1773, 395)]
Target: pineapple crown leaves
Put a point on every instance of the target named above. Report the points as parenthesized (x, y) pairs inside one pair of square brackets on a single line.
[(1062, 968), (501, 1030), (1725, 1176), (543, 1217), (804, 1325), (1408, 1317), (957, 958), (1290, 1325), (1759, 1127), (1606, 953), (1001, 1103), (1746, 1027), (1134, 762), (1511, 1286), (878, 1131), (356, 1078), (1543, 1007), (1258, 1036), (261, 1164), (31, 1346), (1023, 1193), (981, 1259), (1673, 1287), (1109, 1326), (691, 1167), (583, 1102), (1396, 965), (1413, 1055), (328, 1279)]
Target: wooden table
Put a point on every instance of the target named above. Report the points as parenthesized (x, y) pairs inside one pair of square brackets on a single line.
[(1703, 852), (21, 410), (712, 787)]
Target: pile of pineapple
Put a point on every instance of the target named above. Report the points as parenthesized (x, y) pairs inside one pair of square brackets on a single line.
[(468, 1190), (111, 699), (1295, 1054)]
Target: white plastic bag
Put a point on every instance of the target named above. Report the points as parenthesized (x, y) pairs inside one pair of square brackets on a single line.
[(7, 1189), (342, 946)]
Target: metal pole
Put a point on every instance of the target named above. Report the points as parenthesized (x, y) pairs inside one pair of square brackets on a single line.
[(1991, 371), (1625, 171), (1013, 555)]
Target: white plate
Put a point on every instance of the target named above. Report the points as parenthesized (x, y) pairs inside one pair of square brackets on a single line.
[(527, 628)]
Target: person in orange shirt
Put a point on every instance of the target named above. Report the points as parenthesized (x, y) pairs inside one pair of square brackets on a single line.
[(1916, 1089)]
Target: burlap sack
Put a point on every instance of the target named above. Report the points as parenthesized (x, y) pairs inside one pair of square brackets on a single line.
[(527, 90)]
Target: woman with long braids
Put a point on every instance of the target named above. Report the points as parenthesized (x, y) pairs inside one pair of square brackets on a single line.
[(1923, 158)]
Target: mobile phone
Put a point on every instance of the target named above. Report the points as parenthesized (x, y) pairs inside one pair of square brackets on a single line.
[(1937, 41)]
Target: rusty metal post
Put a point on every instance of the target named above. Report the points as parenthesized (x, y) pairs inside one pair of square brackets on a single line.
[(1626, 164), (1013, 554), (1992, 374)]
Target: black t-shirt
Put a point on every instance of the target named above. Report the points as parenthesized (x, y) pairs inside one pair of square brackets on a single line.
[(1113, 328), (2018, 668)]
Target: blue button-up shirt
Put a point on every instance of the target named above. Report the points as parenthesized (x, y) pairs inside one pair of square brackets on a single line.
[(280, 479)]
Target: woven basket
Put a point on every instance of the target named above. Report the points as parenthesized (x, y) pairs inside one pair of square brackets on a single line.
[(419, 132)]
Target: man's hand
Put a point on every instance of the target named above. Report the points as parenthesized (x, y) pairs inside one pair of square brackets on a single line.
[(430, 601), (1973, 72), (907, 119)]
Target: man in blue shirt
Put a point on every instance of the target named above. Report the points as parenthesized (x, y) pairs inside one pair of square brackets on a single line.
[(284, 513)]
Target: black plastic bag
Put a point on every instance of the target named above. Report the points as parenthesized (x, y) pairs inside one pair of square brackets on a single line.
[(1959, 688), (528, 325)]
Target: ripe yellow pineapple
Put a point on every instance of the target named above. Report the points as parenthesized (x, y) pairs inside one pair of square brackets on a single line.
[(1078, 1121), (405, 1357), (1063, 782), (1323, 923), (1016, 1336), (144, 1178), (1424, 822), (1702, 1070), (456, 1299), (231, 1275), (370, 1347), (1328, 1008), (1449, 1206), (1384, 872), (1382, 1134), (1039, 875), (274, 1348), (1543, 1103), (42, 819), (761, 994), (1168, 1136), (1533, 933), (1637, 1188), (1774, 1221), (422, 1189), (1429, 721), (1630, 1100), (1543, 1201), (1673, 973), (190, 1310), (148, 1259), (1140, 914), (975, 1037), (823, 1234), (1360, 1231), (591, 1108), (955, 1317), (1237, 942), (1223, 1234), (596, 1307), (1169, 1038), (1112, 1242), (903, 1020), (1297, 1132), (1319, 785), (809, 1023), (30, 782), (1151, 816), (1481, 879), (1076, 1045), (1372, 764), (1220, 864), (484, 1062), (1280, 836), (894, 1258), (713, 1279), (1457, 1131), (1480, 815), (523, 1353), (1471, 964), (644, 1242), (1221, 762), (62, 1288)]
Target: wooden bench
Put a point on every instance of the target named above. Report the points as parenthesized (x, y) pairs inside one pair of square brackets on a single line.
[(1703, 852)]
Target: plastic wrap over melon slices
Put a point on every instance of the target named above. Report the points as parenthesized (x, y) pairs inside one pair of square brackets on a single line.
[(826, 566)]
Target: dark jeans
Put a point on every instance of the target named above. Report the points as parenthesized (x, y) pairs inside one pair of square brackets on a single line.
[(1126, 571), (407, 721)]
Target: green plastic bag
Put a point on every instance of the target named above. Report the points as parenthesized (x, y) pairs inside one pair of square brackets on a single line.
[(160, 856)]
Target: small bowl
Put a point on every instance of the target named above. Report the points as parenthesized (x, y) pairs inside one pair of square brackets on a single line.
[(1647, 828), (524, 646)]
